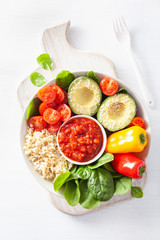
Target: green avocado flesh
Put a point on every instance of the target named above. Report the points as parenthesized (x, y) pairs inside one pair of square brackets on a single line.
[(84, 96), (117, 112)]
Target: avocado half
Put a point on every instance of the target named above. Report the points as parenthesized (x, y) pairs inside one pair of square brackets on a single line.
[(117, 112), (84, 96)]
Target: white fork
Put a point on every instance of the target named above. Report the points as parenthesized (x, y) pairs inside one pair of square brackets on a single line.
[(123, 36)]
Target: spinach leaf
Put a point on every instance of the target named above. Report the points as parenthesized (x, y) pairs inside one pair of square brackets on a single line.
[(123, 185), (60, 180), (136, 192), (101, 185), (106, 157), (109, 167), (116, 175), (45, 61), (37, 79), (73, 169), (93, 76), (83, 172), (33, 107), (122, 90), (86, 198), (64, 79), (72, 192), (73, 176)]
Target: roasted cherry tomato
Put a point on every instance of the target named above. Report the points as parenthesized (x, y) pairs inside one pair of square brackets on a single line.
[(51, 116), (137, 121), (47, 94), (37, 123), (43, 106), (54, 127), (108, 86), (65, 112), (59, 93)]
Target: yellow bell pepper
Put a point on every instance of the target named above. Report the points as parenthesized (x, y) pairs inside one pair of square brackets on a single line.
[(132, 139)]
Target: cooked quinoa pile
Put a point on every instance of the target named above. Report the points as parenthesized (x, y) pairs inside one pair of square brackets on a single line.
[(42, 150)]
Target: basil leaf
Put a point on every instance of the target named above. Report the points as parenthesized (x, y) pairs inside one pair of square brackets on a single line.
[(72, 193), (123, 185), (37, 79), (86, 198), (101, 185), (109, 167), (122, 90), (93, 76), (45, 61), (60, 180), (136, 192), (83, 172), (64, 79), (73, 176), (33, 107), (106, 157), (73, 169)]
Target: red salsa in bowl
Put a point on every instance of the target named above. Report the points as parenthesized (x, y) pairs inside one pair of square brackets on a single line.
[(81, 139)]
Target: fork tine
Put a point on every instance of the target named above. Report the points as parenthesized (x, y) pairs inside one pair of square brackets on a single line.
[(123, 24), (115, 25)]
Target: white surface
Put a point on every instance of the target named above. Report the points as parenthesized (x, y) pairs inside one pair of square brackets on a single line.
[(25, 212)]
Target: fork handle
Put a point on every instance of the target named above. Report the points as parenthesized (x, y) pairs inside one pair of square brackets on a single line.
[(145, 91)]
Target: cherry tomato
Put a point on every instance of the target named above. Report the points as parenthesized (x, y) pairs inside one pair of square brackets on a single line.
[(65, 100), (43, 106), (137, 121), (51, 116), (108, 86), (59, 93), (54, 127), (65, 112), (37, 123), (47, 94)]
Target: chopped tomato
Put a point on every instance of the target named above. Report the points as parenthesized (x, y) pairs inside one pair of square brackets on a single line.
[(54, 127), (108, 86), (47, 94), (59, 93), (65, 100), (43, 106), (137, 121), (65, 112), (51, 116), (37, 123)]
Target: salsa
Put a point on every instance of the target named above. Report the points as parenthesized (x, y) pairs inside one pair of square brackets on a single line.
[(80, 139)]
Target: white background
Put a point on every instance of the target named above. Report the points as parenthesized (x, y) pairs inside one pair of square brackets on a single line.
[(25, 212)]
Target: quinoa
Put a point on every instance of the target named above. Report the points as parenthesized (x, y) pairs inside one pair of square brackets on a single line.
[(42, 150)]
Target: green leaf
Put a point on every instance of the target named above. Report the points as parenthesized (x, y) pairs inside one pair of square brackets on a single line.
[(101, 185), (116, 175), (37, 79), (123, 185), (109, 167), (33, 107), (73, 169), (106, 157), (45, 61), (122, 90), (60, 180), (72, 193), (64, 79), (86, 198), (136, 192), (93, 76), (83, 172)]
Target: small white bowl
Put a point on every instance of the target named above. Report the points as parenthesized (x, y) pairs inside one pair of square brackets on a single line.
[(103, 145)]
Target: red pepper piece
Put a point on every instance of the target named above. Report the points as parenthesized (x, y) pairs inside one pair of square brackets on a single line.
[(129, 165)]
